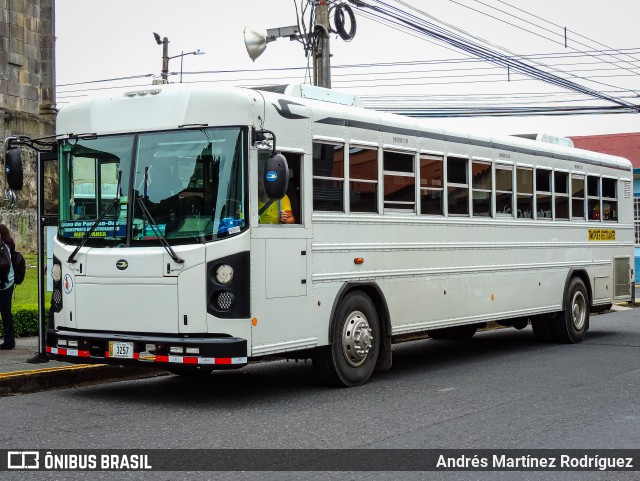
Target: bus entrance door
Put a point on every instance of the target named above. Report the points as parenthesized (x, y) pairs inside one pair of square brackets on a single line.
[(279, 275)]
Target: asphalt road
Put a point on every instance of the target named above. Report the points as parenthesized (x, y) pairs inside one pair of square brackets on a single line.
[(501, 390)]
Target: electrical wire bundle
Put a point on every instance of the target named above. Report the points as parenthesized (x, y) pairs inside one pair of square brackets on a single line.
[(579, 66), (428, 26)]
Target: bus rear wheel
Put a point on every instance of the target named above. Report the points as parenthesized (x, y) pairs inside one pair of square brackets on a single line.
[(351, 357), (572, 323)]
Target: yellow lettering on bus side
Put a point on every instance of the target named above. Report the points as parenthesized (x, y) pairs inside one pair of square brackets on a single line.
[(602, 235)]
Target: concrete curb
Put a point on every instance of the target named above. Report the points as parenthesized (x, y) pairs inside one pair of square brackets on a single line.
[(79, 375)]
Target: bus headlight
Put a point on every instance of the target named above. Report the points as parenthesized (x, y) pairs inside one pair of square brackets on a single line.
[(56, 272), (224, 274), (228, 281)]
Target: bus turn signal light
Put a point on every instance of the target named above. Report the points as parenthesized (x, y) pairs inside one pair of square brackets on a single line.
[(358, 260)]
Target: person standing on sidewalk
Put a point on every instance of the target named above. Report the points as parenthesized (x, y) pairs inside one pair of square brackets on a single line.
[(6, 291)]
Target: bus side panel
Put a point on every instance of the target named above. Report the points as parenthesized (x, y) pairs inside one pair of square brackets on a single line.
[(444, 273)]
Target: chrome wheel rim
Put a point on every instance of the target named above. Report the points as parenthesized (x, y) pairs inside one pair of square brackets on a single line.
[(578, 310), (357, 339)]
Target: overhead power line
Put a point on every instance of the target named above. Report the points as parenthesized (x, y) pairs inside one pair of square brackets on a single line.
[(621, 51), (469, 44), (371, 77), (115, 79), (467, 35), (537, 26), (362, 66), (446, 61)]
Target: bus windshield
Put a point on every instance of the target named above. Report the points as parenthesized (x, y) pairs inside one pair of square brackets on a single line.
[(186, 186)]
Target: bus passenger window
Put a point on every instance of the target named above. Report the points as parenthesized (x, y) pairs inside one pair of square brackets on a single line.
[(399, 181), (577, 197), (543, 194), (431, 184), (504, 190), (561, 192), (328, 177), (363, 179), (593, 198), (457, 186), (524, 187), (482, 184), (609, 200)]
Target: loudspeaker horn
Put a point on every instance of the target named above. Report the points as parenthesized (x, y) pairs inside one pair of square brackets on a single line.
[(256, 41)]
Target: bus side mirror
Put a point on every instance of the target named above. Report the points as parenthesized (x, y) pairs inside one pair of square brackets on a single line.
[(13, 168), (276, 177)]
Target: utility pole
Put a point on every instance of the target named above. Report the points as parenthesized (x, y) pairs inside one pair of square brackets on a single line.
[(322, 57)]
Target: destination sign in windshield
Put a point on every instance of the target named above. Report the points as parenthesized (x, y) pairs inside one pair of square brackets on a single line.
[(79, 228)]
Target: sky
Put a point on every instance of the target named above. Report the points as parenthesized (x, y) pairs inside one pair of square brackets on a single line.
[(98, 40)]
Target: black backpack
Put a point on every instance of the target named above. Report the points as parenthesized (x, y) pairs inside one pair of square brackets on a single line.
[(5, 264), (19, 267)]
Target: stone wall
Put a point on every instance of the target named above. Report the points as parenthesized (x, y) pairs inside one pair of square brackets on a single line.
[(23, 226), (27, 56), (27, 99)]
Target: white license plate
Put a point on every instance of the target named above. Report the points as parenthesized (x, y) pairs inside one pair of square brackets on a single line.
[(121, 349)]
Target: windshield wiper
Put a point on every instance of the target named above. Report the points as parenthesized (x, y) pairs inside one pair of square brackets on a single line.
[(71, 258), (149, 218)]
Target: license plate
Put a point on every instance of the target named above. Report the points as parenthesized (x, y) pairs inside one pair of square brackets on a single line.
[(121, 349)]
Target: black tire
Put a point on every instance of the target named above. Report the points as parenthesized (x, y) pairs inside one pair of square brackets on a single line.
[(571, 325), (351, 358), (192, 372), (458, 333)]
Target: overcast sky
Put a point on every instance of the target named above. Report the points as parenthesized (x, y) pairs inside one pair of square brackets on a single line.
[(98, 40)]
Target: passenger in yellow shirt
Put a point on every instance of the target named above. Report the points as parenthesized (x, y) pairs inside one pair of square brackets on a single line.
[(277, 212), (273, 211)]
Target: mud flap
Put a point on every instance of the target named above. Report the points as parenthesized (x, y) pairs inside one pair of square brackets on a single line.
[(385, 355)]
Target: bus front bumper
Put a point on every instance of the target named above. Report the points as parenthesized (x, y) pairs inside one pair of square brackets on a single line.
[(91, 347)]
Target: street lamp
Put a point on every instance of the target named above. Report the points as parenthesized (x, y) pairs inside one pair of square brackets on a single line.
[(165, 57), (182, 55)]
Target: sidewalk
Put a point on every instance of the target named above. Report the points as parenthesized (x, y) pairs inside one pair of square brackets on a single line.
[(19, 376)]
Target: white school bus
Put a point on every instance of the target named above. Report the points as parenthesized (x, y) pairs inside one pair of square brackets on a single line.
[(400, 229)]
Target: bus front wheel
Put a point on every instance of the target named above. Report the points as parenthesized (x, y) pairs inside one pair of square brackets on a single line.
[(351, 357), (572, 323)]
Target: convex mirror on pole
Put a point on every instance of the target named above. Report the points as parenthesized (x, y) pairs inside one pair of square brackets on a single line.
[(275, 176), (13, 168)]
